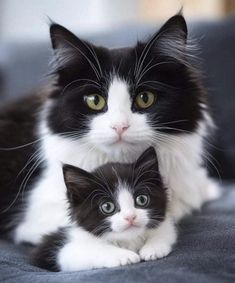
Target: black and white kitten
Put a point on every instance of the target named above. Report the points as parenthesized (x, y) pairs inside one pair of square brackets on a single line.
[(118, 215), (107, 105)]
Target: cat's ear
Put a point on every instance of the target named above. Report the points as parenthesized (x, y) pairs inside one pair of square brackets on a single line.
[(61, 37), (174, 29), (171, 39), (147, 160), (78, 183), (68, 48)]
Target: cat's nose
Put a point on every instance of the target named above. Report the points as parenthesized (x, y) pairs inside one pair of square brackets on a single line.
[(130, 218), (120, 129)]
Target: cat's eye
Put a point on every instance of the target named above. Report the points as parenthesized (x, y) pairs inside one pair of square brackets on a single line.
[(142, 200), (95, 102), (107, 207), (145, 99)]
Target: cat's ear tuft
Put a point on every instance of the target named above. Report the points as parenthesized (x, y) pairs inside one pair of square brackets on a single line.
[(171, 40), (148, 159), (77, 181)]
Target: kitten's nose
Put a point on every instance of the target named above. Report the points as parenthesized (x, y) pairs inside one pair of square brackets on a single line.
[(120, 129), (130, 218)]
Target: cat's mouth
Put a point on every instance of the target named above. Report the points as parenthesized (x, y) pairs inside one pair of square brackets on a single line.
[(122, 141)]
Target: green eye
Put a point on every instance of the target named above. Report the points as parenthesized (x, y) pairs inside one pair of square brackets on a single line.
[(107, 207), (142, 200), (145, 99), (95, 101)]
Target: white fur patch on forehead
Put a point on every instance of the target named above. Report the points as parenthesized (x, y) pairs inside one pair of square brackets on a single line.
[(118, 95), (125, 198)]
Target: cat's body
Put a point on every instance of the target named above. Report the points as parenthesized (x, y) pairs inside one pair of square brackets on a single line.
[(108, 106), (119, 215)]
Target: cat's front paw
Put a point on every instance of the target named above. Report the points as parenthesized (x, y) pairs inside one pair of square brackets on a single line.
[(122, 257), (154, 251)]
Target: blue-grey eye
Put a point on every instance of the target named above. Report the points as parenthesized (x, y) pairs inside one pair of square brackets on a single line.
[(142, 200), (107, 207)]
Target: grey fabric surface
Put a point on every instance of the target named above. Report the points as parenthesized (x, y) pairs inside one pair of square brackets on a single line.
[(205, 252)]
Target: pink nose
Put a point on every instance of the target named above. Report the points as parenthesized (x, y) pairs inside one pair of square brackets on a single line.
[(120, 129), (130, 219)]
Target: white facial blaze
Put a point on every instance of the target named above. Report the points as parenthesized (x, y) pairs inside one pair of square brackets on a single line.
[(119, 103), (102, 133), (119, 222)]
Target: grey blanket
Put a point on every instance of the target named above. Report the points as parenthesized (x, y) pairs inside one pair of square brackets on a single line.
[(205, 252)]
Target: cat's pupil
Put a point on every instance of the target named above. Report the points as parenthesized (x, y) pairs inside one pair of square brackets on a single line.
[(96, 100), (145, 98), (142, 199), (107, 206)]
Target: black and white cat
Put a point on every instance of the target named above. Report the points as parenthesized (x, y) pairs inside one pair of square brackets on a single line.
[(107, 105), (118, 215)]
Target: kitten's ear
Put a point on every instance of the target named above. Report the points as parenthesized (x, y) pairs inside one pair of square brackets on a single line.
[(148, 159), (77, 181)]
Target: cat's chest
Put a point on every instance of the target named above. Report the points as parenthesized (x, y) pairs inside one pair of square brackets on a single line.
[(57, 150)]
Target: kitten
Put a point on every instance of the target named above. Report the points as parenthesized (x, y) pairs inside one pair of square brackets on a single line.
[(107, 105), (118, 215)]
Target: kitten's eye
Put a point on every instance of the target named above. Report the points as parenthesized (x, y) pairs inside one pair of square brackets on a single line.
[(145, 99), (107, 207), (95, 101), (142, 200)]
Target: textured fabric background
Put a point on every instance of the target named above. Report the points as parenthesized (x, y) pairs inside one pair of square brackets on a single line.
[(205, 253)]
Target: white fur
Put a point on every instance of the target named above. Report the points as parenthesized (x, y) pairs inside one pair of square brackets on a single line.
[(179, 160), (84, 251)]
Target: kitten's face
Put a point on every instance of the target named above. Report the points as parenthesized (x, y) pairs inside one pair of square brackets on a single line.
[(109, 98), (117, 200)]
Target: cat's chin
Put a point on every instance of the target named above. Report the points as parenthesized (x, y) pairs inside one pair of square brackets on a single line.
[(127, 234), (123, 150)]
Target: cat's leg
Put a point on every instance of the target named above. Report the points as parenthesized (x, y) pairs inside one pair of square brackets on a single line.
[(83, 251), (46, 209), (159, 241)]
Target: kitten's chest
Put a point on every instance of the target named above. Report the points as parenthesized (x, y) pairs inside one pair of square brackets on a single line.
[(134, 244)]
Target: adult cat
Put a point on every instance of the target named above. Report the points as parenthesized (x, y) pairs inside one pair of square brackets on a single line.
[(106, 106)]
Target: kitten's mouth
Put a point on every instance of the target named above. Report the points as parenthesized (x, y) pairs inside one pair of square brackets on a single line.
[(131, 226)]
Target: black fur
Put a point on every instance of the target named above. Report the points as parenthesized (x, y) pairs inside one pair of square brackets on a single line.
[(17, 129), (45, 255), (86, 191)]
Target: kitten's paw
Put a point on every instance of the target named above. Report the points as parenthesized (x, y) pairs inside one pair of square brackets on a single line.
[(154, 251), (122, 257)]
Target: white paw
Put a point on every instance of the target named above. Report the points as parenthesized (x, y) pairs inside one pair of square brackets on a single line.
[(152, 252), (121, 257)]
